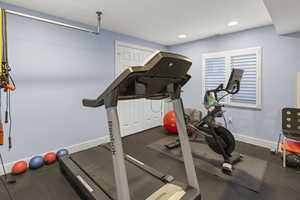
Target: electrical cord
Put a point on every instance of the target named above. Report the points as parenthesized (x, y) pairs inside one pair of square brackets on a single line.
[(225, 121), (223, 97)]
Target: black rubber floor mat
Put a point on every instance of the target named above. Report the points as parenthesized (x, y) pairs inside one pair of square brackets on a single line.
[(248, 173)]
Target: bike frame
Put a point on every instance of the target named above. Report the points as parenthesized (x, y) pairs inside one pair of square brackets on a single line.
[(207, 125)]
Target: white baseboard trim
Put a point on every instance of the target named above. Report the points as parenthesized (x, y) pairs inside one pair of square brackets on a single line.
[(95, 142), (88, 144), (256, 141), (72, 149)]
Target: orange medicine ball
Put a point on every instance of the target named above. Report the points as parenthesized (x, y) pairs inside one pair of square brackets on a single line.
[(170, 122), (19, 167), (50, 158)]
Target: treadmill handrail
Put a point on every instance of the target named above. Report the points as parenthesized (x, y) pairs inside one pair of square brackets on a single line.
[(100, 100), (92, 102)]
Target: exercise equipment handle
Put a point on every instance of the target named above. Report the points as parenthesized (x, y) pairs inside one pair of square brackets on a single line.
[(235, 90), (1, 134), (92, 103), (9, 87)]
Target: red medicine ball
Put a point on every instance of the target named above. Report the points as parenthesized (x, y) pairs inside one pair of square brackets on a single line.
[(19, 167), (50, 158), (170, 122)]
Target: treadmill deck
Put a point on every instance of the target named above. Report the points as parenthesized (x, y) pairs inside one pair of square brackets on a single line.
[(97, 164)]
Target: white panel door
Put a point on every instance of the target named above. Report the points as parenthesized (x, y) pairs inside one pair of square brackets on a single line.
[(140, 114)]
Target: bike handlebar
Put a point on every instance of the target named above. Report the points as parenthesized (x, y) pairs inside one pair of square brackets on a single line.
[(221, 88)]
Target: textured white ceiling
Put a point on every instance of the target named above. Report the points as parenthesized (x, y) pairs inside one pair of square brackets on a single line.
[(159, 21)]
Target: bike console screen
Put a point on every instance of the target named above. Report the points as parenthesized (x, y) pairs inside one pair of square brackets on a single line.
[(234, 80)]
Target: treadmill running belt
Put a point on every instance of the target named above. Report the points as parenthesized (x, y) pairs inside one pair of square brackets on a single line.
[(97, 163)]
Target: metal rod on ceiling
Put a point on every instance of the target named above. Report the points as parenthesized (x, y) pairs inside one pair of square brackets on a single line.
[(98, 13), (60, 23)]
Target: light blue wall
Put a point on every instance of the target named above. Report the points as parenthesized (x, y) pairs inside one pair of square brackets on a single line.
[(280, 62), (54, 68)]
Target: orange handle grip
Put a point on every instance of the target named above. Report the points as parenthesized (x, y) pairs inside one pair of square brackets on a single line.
[(9, 87), (1, 134)]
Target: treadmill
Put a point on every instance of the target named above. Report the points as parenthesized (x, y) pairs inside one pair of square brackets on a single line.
[(161, 77)]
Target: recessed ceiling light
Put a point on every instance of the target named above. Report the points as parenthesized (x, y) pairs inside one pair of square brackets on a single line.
[(182, 36), (233, 23)]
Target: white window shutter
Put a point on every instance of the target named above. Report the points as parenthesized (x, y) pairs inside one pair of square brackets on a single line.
[(248, 87), (214, 73), (217, 68)]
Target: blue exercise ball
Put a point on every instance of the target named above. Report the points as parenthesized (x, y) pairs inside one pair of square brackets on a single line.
[(62, 152), (36, 162)]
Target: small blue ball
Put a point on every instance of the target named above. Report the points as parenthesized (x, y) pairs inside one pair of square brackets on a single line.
[(62, 152), (36, 162)]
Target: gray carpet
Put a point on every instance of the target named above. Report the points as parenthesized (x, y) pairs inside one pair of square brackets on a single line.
[(248, 173)]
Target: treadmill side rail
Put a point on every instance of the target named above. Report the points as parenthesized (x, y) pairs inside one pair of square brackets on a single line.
[(83, 183)]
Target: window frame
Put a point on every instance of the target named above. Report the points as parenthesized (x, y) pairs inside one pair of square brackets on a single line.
[(227, 55)]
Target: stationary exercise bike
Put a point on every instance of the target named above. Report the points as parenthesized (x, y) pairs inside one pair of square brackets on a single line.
[(218, 138)]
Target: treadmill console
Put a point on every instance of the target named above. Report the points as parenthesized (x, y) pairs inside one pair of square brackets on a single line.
[(155, 80)]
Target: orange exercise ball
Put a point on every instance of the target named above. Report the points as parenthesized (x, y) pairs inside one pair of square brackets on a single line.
[(19, 167), (50, 158), (170, 122)]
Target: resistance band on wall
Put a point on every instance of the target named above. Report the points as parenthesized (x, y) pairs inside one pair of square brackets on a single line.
[(6, 81), (7, 85)]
